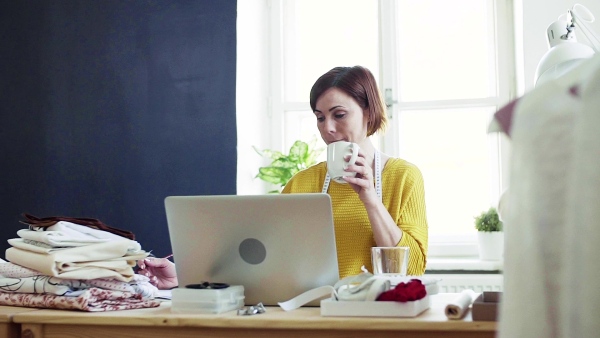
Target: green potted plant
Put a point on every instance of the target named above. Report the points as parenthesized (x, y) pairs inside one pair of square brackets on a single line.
[(490, 235), (282, 167)]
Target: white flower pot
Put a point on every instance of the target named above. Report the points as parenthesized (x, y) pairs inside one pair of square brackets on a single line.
[(491, 245)]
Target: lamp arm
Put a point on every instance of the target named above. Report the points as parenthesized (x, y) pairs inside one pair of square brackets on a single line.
[(582, 23)]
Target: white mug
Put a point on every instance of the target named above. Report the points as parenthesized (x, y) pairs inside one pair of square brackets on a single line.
[(336, 163)]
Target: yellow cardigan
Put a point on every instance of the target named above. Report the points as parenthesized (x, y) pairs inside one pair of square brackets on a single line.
[(403, 197)]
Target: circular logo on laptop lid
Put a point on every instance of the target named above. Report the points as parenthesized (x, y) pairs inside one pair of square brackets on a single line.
[(252, 251)]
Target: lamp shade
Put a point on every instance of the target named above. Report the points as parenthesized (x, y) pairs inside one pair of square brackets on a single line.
[(560, 59), (565, 51)]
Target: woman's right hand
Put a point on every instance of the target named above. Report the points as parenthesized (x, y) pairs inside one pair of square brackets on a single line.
[(363, 182), (161, 272)]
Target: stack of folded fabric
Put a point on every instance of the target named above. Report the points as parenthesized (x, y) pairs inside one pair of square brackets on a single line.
[(58, 263)]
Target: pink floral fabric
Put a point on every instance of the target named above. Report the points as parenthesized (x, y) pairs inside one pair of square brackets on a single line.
[(91, 300)]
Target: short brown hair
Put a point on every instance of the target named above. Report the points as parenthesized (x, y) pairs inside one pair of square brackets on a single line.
[(360, 84)]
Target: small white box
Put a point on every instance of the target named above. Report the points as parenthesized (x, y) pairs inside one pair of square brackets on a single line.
[(207, 300), (332, 307)]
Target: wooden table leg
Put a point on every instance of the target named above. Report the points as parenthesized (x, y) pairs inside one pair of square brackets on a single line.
[(10, 330)]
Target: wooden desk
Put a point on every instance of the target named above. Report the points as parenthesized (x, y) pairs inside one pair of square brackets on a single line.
[(160, 322), (8, 328)]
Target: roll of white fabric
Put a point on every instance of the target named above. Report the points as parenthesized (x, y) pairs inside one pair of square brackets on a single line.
[(459, 307)]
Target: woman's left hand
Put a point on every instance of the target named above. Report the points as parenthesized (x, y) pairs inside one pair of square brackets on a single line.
[(160, 271)]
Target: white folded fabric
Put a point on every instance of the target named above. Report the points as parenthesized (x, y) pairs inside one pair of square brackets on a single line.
[(43, 285), (40, 247), (35, 246), (67, 234), (92, 252), (74, 287), (58, 238), (139, 284), (12, 270), (459, 307)]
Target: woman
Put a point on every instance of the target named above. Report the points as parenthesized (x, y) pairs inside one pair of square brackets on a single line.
[(348, 107)]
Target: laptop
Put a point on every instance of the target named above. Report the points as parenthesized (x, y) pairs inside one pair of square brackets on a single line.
[(277, 246)]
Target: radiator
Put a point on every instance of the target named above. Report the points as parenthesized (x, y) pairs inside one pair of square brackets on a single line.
[(452, 283)]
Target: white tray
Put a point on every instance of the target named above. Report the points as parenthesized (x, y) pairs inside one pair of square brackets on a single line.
[(332, 307)]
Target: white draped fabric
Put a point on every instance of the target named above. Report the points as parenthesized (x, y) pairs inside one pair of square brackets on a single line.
[(552, 223)]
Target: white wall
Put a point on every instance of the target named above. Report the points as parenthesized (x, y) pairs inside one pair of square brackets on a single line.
[(251, 100), (537, 15)]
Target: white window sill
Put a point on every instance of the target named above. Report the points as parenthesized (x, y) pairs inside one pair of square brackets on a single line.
[(462, 264)]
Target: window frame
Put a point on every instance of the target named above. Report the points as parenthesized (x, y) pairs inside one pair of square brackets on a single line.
[(446, 246)]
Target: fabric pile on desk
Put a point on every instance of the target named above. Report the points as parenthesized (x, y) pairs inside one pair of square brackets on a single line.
[(57, 263)]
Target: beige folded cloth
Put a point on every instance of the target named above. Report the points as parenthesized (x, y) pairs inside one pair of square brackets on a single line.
[(459, 307), (101, 260)]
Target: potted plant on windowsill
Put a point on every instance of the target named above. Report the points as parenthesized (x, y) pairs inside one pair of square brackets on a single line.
[(490, 235), (301, 156)]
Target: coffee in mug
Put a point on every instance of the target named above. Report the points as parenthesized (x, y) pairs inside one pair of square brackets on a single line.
[(336, 162)]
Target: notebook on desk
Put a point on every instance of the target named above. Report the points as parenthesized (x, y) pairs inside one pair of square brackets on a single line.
[(277, 246)]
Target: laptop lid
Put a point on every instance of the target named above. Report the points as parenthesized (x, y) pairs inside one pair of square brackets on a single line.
[(277, 246)]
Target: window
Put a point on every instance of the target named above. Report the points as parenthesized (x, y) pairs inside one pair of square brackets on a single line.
[(319, 35), (444, 67)]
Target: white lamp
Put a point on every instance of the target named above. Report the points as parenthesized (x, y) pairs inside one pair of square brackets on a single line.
[(565, 51)]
